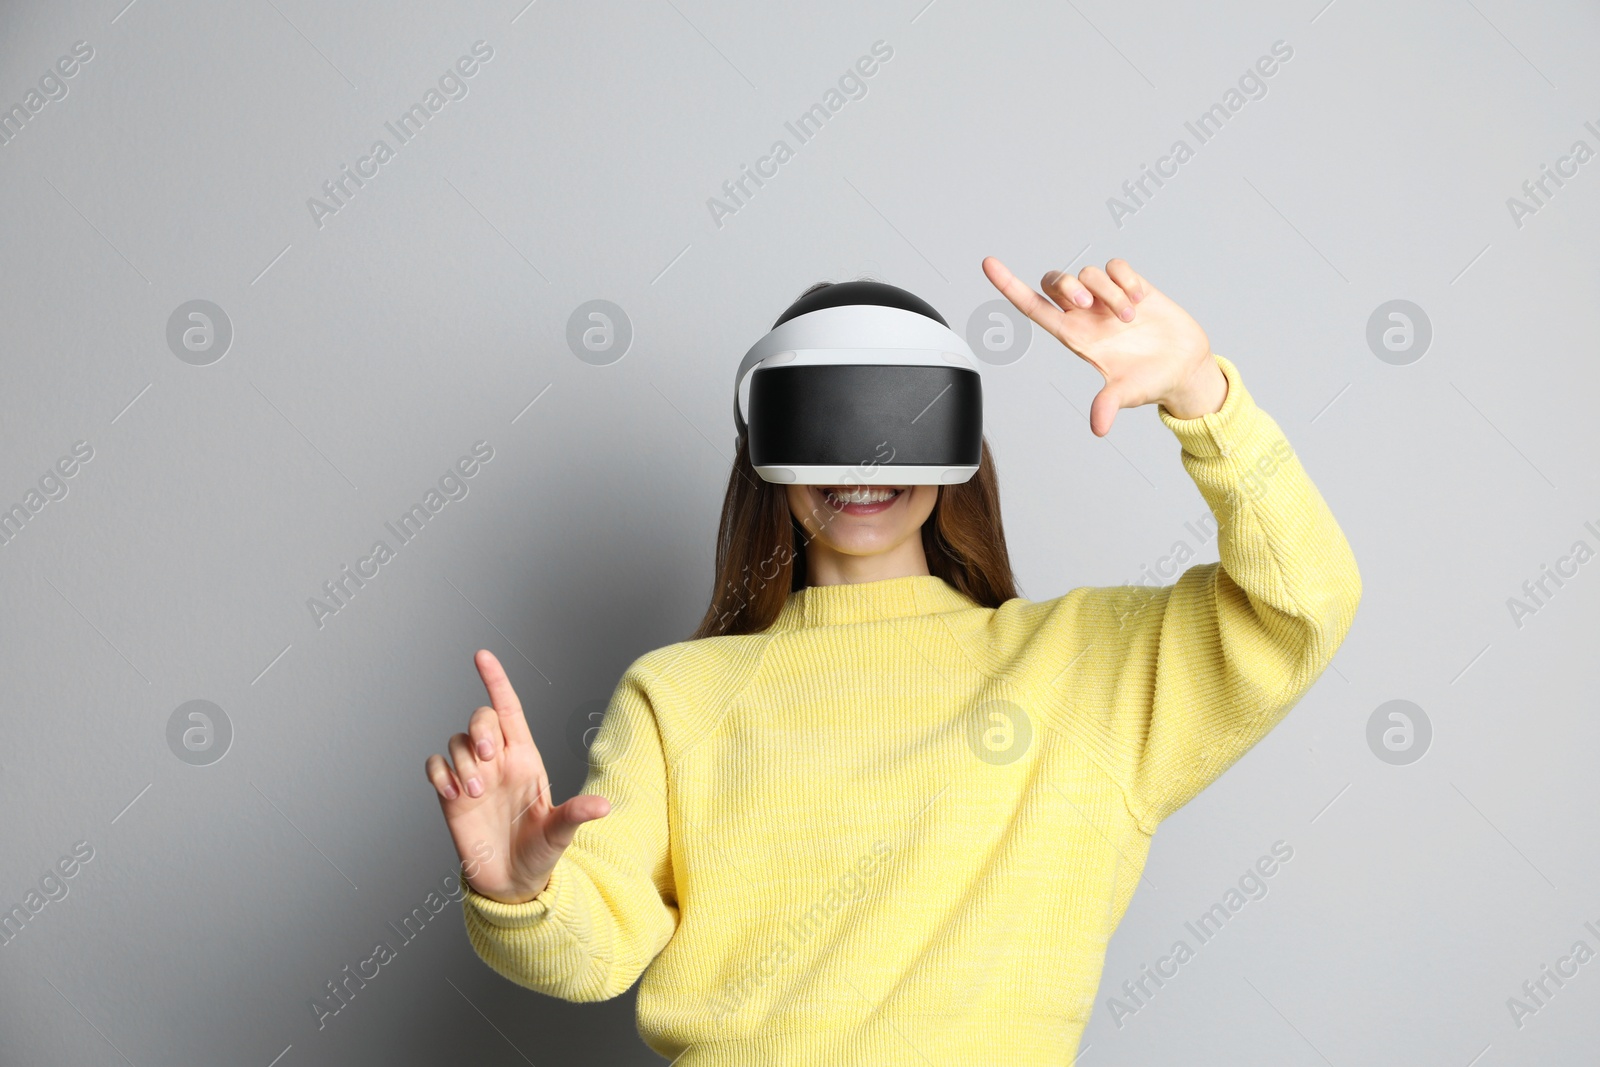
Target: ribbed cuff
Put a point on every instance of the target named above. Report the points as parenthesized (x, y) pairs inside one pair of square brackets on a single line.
[(1218, 433), (522, 916)]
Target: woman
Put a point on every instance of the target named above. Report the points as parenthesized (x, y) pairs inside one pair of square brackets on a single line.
[(880, 810)]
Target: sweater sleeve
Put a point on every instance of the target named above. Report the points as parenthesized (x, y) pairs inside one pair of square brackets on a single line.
[(1219, 658), (610, 906)]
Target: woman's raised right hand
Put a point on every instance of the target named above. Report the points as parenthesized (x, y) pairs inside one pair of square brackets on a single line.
[(496, 797)]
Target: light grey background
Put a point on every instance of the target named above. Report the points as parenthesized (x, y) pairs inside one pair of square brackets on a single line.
[(430, 311)]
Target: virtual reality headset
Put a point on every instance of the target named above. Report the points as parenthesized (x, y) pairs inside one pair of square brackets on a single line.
[(861, 383)]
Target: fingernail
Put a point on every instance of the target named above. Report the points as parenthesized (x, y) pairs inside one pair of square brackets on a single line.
[(485, 749), (1083, 300), (449, 790), (474, 788), (1127, 313)]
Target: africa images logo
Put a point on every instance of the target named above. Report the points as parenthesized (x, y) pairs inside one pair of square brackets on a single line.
[(453, 485), (452, 85)]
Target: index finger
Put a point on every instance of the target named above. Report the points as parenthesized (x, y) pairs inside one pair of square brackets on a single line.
[(1023, 296), (504, 698)]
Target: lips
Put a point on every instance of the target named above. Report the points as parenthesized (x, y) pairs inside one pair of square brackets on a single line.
[(860, 500)]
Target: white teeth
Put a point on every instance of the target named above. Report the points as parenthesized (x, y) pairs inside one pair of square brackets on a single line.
[(861, 495)]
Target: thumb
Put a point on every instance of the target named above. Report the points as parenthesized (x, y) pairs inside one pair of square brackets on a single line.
[(1107, 402), (564, 819)]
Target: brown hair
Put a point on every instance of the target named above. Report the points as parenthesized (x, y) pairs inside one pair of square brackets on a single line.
[(761, 548)]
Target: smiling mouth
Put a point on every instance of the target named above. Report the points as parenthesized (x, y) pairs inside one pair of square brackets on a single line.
[(859, 499)]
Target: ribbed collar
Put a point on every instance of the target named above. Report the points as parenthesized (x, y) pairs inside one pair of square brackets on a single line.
[(888, 598)]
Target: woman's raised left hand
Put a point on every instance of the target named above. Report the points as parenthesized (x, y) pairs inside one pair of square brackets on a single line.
[(1147, 347)]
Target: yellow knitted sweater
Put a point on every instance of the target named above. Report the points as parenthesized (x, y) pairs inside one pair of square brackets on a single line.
[(898, 827)]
